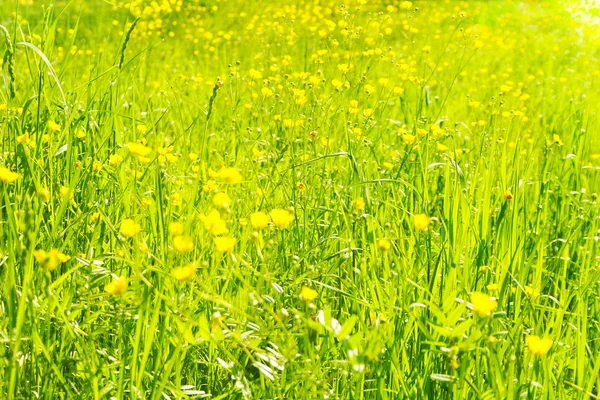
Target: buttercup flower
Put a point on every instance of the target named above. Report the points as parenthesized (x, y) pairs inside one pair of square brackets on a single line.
[(259, 220), (282, 218), (538, 346), (225, 244), (129, 228), (186, 273), (483, 304), (117, 286)]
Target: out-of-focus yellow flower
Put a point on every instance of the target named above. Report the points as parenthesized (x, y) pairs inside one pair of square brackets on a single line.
[(176, 228), (129, 228), (115, 160), (186, 273), (53, 126), (538, 346), (138, 149), (531, 292), (282, 218), (50, 260), (259, 220), (230, 176), (213, 223), (221, 200), (492, 287), (117, 286), (384, 244), (23, 139), (183, 244), (255, 74), (266, 92), (483, 304), (358, 204), (308, 294), (141, 128), (421, 222), (408, 138), (8, 176), (225, 244)]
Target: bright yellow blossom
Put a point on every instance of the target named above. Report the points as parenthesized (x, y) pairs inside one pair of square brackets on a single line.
[(308, 294), (538, 346), (176, 228), (483, 304), (230, 176), (225, 244), (183, 244), (129, 228), (117, 286), (7, 176), (421, 222), (214, 224), (185, 273), (259, 220), (282, 218)]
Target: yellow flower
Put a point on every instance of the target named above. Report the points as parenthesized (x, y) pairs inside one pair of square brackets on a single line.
[(259, 220), (557, 140), (255, 74), (538, 346), (186, 273), (408, 138), (344, 68), (358, 204), (53, 126), (225, 244), (23, 139), (308, 294), (176, 228), (115, 160), (384, 244), (117, 286), (421, 222), (141, 128), (282, 218), (230, 176), (7, 176), (531, 292), (183, 244), (492, 287), (336, 83), (213, 223), (138, 149), (508, 195), (50, 259), (266, 92), (129, 228), (442, 147), (483, 304), (221, 199), (64, 192)]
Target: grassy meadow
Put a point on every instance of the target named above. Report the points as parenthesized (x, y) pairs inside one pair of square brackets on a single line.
[(299, 199)]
